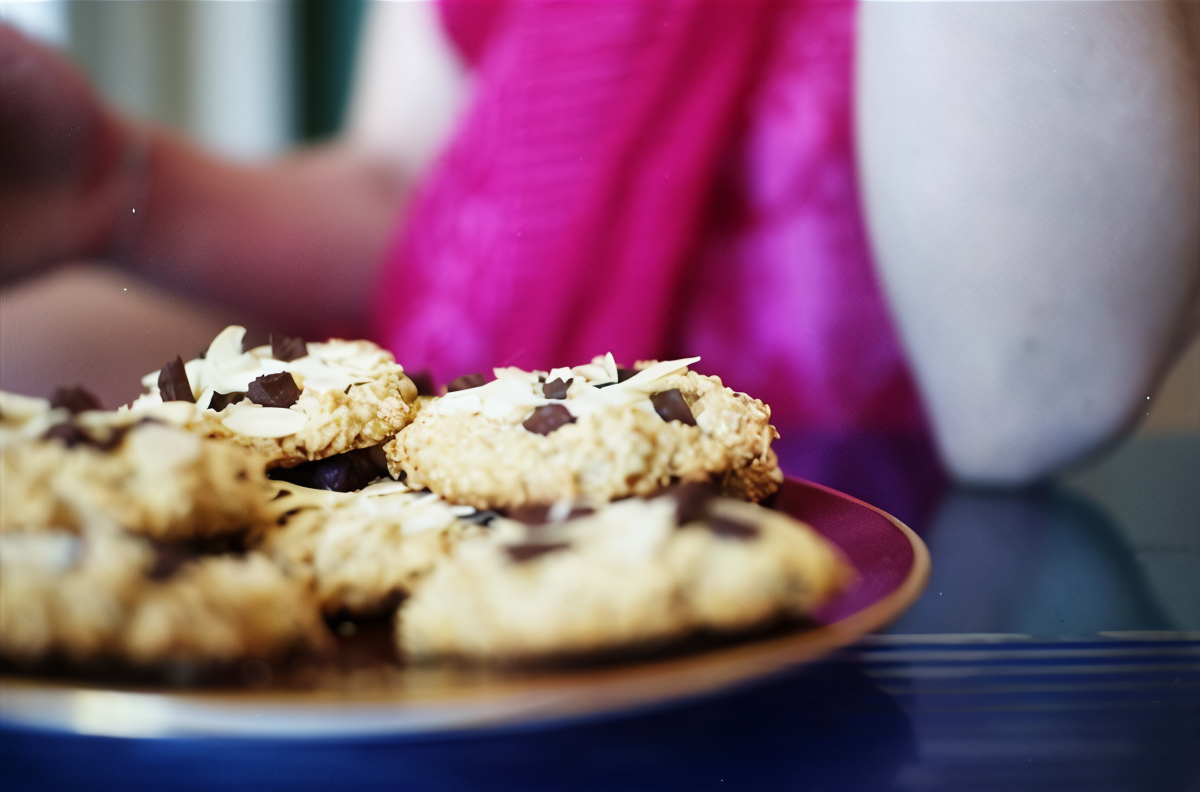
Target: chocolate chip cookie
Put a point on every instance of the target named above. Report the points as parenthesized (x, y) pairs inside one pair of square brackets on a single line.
[(291, 400), (100, 593), (362, 552), (633, 576), (149, 477), (595, 432)]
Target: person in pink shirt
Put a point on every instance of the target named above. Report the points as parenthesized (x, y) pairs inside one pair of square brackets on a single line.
[(982, 218)]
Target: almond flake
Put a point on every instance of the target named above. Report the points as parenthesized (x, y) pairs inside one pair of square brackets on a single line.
[(252, 420)]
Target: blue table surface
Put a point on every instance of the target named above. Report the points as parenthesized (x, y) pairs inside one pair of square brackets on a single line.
[(1057, 647)]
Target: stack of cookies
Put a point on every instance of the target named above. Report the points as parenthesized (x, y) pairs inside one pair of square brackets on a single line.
[(252, 496)]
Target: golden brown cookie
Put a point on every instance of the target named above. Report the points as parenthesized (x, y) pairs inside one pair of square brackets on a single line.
[(290, 401), (635, 575), (103, 594), (151, 478), (362, 551), (594, 433)]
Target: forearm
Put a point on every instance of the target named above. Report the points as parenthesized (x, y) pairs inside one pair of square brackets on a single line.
[(1032, 185), (296, 242)]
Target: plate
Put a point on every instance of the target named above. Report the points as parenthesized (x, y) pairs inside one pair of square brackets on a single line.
[(893, 569)]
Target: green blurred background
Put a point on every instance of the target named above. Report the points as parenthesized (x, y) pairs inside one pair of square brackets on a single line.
[(327, 33)]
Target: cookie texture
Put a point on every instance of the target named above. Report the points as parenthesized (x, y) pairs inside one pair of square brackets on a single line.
[(151, 478), (633, 576), (337, 396), (103, 594), (362, 552), (592, 433)]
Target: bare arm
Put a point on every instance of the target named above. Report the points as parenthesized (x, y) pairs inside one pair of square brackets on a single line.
[(1032, 185), (297, 242)]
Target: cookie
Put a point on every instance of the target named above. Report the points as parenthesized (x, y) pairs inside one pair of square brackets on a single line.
[(103, 594), (290, 401), (26, 417), (362, 552), (149, 477), (633, 576), (594, 433)]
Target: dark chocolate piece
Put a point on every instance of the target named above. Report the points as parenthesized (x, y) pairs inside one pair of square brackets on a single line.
[(530, 513), (556, 388), (346, 472), (604, 385), (691, 501), (168, 560), (671, 406), (288, 348), (423, 379), (378, 456), (173, 382), (732, 529), (539, 513), (548, 418), (465, 382), (220, 401), (274, 390), (72, 435), (624, 373), (76, 399), (520, 553)]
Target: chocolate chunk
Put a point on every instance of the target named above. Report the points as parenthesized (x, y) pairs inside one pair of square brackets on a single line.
[(548, 418), (539, 513), (75, 399), (169, 559), (173, 382), (274, 390), (530, 513), (423, 379), (465, 382), (691, 501), (521, 553), (346, 472), (622, 375), (70, 434), (732, 529), (671, 406), (73, 435), (288, 348), (220, 401), (556, 388), (378, 456)]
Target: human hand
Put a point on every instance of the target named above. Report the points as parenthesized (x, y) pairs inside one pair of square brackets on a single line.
[(62, 177)]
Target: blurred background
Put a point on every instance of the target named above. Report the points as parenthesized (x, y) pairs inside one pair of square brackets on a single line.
[(249, 78), (254, 78)]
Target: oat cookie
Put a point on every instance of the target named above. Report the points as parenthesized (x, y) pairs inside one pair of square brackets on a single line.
[(103, 594), (26, 417), (291, 401), (150, 477), (634, 575), (594, 433), (362, 552)]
